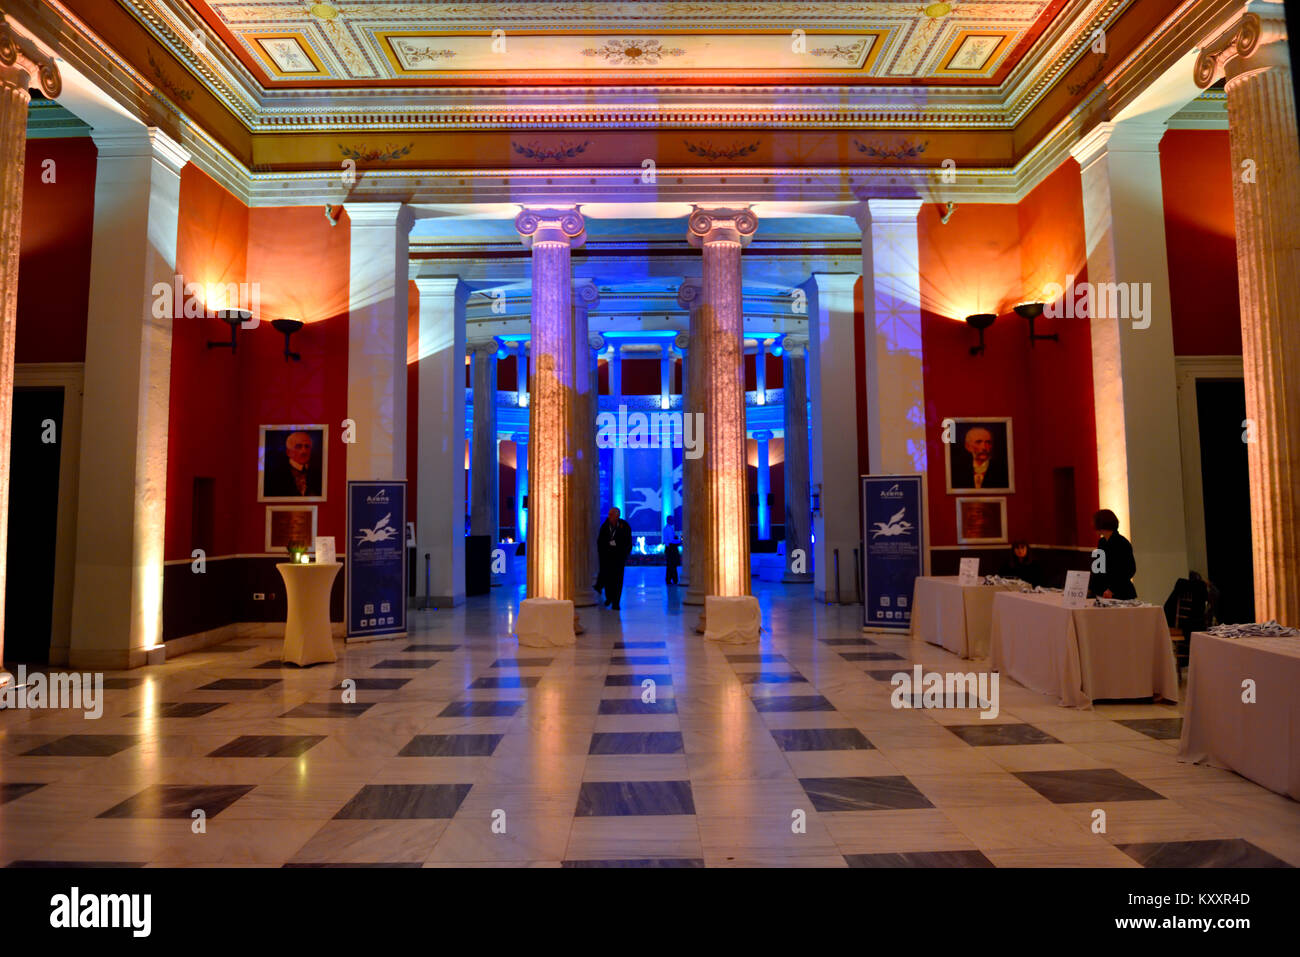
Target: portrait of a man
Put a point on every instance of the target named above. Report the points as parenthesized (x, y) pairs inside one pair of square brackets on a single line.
[(979, 456), (291, 464)]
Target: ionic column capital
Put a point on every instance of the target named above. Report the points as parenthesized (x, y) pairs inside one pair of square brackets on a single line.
[(763, 435), (519, 438), (796, 347), (23, 64), (585, 293), (682, 342), (482, 346), (1254, 41), (596, 342), (551, 225), (721, 224), (690, 293)]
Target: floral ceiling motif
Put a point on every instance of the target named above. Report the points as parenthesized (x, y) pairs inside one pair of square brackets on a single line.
[(622, 52)]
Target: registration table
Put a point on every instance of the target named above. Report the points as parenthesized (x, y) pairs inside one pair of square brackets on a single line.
[(1082, 654), (1258, 740), (952, 615), (308, 639)]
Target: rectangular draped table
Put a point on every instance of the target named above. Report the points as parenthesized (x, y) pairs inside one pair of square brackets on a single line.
[(1259, 740), (1081, 654), (953, 616)]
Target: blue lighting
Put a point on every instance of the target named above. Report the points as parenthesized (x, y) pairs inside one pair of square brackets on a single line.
[(631, 334), (515, 337)]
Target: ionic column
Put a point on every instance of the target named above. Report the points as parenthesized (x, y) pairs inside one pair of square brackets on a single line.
[(665, 439), (378, 307), (546, 616), (731, 613), (521, 485), (1135, 397), (834, 445), (22, 64), (440, 516), (1253, 55), (695, 533), (763, 437), (484, 495), (121, 503), (595, 346), (617, 471), (584, 523), (798, 507)]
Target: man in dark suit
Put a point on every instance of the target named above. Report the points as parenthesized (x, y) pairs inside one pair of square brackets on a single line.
[(977, 464), (613, 544), (1118, 564), (299, 475)]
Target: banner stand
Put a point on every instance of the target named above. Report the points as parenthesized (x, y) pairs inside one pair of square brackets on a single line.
[(376, 569), (895, 549)]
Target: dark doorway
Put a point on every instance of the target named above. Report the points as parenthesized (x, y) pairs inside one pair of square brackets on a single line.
[(1225, 483), (33, 523)]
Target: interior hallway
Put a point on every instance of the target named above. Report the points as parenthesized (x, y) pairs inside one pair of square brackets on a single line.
[(458, 723)]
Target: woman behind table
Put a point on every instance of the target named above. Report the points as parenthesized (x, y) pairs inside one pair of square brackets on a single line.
[(1020, 564), (1119, 566)]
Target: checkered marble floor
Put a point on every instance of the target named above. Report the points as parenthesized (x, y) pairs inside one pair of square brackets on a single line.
[(641, 746)]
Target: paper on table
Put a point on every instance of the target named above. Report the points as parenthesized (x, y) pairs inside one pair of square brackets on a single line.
[(969, 572), (325, 553), (1076, 589)]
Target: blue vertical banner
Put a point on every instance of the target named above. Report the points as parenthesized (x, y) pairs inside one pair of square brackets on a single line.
[(376, 568), (893, 554)]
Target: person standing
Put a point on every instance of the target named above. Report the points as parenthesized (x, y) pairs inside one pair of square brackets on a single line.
[(613, 545), (672, 554), (1115, 580)]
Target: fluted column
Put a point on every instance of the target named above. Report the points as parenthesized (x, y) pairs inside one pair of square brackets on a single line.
[(484, 496), (595, 346), (695, 532), (798, 508), (521, 486), (764, 483), (551, 234), (21, 66), (1252, 53), (720, 234), (583, 523)]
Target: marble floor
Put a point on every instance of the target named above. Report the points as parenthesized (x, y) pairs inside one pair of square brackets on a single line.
[(459, 748)]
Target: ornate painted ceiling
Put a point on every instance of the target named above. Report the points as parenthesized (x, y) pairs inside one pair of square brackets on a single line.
[(299, 43)]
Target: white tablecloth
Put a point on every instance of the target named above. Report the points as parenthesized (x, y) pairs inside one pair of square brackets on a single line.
[(308, 639), (732, 621), (1081, 654), (1260, 741), (953, 616), (545, 623)]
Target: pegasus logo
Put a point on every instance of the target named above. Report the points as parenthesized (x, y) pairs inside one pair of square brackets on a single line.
[(895, 526), (652, 499), (382, 531)]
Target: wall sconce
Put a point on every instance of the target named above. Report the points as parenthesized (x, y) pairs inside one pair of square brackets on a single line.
[(234, 318), (980, 321), (1031, 311), (288, 327)]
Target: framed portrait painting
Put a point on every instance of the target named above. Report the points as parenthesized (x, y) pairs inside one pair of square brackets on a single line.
[(979, 458), (292, 463), (290, 525), (981, 521)]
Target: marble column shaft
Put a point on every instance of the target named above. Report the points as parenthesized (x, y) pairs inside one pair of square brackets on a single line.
[(551, 235), (484, 517), (695, 532), (798, 507), (583, 524), (1253, 55), (21, 65), (720, 233)]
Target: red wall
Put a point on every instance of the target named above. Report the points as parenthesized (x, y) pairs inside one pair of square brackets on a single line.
[(1200, 234), (211, 247), (58, 224)]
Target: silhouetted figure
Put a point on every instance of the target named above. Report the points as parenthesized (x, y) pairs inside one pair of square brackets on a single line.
[(613, 545), (1020, 564), (1116, 581), (672, 555)]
